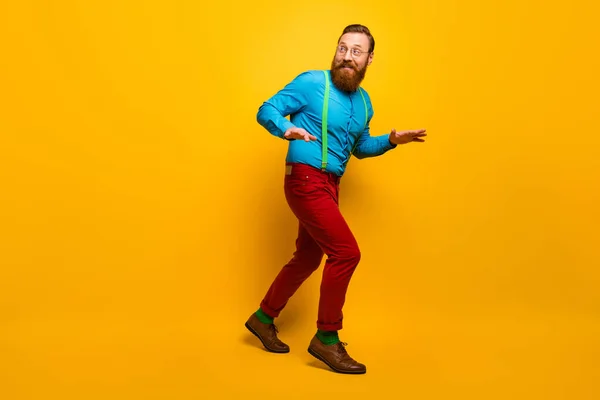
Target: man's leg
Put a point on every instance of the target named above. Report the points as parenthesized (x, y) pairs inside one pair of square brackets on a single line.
[(313, 197)]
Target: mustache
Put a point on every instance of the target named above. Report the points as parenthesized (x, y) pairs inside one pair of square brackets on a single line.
[(346, 64)]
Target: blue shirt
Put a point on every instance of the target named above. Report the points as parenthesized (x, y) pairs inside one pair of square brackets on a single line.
[(302, 100)]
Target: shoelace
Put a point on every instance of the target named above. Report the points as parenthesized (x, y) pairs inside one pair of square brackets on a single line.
[(342, 348)]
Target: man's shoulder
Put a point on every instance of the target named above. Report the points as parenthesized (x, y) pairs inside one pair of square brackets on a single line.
[(311, 76), (364, 91)]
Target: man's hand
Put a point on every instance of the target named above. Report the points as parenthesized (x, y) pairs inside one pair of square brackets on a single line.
[(404, 137), (298, 133)]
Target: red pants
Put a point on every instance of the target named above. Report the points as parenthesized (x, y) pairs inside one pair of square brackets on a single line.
[(313, 197)]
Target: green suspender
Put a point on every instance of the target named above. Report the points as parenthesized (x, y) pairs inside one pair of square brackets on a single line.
[(324, 120)]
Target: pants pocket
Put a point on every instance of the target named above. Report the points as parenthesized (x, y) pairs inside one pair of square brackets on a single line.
[(302, 184)]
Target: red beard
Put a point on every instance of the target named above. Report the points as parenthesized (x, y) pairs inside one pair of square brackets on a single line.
[(345, 79)]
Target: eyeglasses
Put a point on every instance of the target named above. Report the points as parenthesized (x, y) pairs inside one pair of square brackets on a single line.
[(354, 52)]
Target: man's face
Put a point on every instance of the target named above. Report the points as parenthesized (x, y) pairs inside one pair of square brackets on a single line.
[(350, 62)]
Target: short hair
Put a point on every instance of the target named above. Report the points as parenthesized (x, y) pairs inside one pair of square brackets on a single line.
[(358, 28)]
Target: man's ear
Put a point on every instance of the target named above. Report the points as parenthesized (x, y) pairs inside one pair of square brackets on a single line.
[(370, 60)]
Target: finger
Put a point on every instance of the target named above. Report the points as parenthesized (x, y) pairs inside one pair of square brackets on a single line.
[(312, 137), (415, 131), (418, 140)]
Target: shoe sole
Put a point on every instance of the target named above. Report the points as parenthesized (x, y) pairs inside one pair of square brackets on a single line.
[(318, 357), (263, 343)]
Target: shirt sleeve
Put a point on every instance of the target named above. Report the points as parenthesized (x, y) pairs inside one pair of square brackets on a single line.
[(289, 100), (372, 146)]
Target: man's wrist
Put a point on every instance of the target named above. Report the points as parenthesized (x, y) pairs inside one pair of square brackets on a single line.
[(284, 127), (390, 141)]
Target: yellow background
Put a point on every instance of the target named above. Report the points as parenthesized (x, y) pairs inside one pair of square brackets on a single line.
[(143, 217)]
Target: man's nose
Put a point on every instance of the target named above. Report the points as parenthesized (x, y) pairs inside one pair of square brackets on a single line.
[(348, 55)]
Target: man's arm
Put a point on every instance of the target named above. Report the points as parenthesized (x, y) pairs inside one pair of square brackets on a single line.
[(372, 146), (367, 145), (289, 100)]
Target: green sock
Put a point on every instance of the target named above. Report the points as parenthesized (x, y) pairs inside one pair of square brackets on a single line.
[(328, 337), (264, 318)]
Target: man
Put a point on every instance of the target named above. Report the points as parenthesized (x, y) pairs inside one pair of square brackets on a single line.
[(329, 121)]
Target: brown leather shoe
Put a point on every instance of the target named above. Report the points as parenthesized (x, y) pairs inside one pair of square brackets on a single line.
[(267, 333), (336, 357)]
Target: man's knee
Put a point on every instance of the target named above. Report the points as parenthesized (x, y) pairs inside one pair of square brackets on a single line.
[(342, 265), (351, 255)]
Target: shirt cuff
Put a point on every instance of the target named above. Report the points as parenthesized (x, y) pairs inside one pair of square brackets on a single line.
[(387, 144), (285, 125)]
